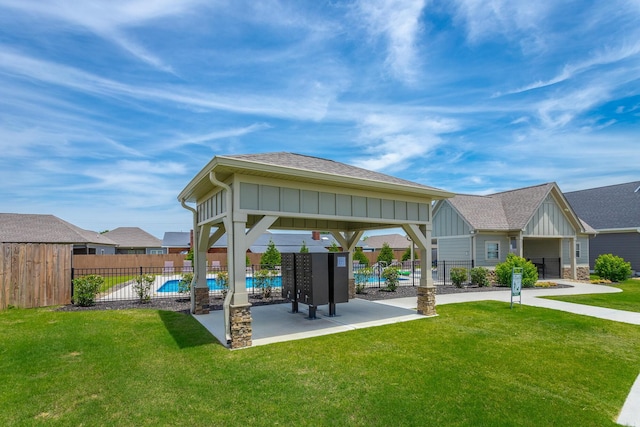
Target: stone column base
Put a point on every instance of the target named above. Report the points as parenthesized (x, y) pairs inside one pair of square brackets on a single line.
[(352, 288), (201, 305), (427, 301), (240, 322)]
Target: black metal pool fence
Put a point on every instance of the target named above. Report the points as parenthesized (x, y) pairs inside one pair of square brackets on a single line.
[(122, 284)]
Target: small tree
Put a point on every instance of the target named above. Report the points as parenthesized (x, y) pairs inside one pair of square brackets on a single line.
[(361, 277), (334, 247), (271, 257), (386, 254), (458, 276), (304, 249), (612, 268), (504, 271), (359, 256), (85, 289)]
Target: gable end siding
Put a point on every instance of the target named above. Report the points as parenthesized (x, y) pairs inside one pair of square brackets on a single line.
[(549, 220), (447, 222)]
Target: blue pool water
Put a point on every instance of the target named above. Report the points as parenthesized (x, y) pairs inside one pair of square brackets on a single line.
[(172, 285), (276, 282)]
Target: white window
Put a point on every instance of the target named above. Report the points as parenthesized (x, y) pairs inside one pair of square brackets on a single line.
[(156, 251), (578, 249), (492, 250)]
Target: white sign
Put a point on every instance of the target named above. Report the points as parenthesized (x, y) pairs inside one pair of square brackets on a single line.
[(516, 284), (342, 261)]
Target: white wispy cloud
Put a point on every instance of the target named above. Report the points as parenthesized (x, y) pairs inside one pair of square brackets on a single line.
[(398, 23)]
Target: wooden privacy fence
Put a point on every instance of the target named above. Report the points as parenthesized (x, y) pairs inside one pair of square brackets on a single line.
[(34, 274)]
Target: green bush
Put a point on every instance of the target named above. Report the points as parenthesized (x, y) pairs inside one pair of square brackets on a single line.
[(504, 271), (85, 289), (184, 285), (142, 287), (262, 279), (361, 277), (359, 256), (479, 277), (304, 249), (391, 278), (334, 247), (458, 276), (611, 267), (222, 280)]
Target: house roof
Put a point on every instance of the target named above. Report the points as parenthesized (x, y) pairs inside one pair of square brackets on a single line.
[(303, 169), (610, 207), (509, 210), (133, 237), (395, 241), (37, 228), (176, 239)]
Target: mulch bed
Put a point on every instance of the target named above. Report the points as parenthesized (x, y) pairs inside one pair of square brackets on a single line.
[(371, 294)]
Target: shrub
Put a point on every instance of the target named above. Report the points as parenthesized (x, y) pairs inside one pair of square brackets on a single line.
[(85, 289), (142, 287), (361, 277), (262, 280), (390, 275), (386, 254), (184, 285), (458, 276), (611, 267), (504, 271), (479, 277), (334, 247), (222, 280), (359, 256), (304, 249)]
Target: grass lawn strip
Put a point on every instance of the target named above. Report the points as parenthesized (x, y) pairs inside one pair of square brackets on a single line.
[(475, 364), (627, 300)]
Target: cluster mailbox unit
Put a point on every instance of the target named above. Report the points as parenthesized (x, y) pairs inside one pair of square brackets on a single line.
[(315, 279)]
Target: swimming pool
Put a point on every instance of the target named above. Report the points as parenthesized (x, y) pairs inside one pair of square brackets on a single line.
[(276, 282)]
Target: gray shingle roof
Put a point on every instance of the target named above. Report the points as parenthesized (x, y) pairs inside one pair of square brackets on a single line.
[(176, 239), (395, 241), (133, 237), (613, 206), (509, 210), (317, 164), (36, 228)]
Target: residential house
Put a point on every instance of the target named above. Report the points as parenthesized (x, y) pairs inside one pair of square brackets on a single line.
[(536, 223), (134, 240), (614, 212), (39, 228), (176, 242)]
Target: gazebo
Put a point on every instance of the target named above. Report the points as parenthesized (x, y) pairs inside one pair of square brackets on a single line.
[(245, 195)]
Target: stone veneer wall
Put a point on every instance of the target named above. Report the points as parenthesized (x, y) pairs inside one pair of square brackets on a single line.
[(202, 301), (352, 288), (581, 272), (427, 301), (241, 330)]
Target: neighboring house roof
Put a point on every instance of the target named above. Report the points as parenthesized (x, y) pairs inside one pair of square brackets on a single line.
[(510, 210), (37, 228), (395, 241), (176, 239), (133, 237), (609, 207)]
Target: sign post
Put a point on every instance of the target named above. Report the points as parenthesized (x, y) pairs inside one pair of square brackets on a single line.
[(516, 284)]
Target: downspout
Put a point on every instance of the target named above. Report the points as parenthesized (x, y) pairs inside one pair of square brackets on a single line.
[(195, 240), (230, 245)]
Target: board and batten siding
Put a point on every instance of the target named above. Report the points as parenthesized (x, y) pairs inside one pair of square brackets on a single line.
[(34, 274), (212, 206), (447, 222), (454, 249), (283, 200), (549, 220)]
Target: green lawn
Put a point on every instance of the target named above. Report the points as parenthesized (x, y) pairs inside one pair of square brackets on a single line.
[(628, 299), (477, 364)]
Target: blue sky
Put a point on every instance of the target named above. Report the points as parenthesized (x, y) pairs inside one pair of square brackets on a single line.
[(109, 108)]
